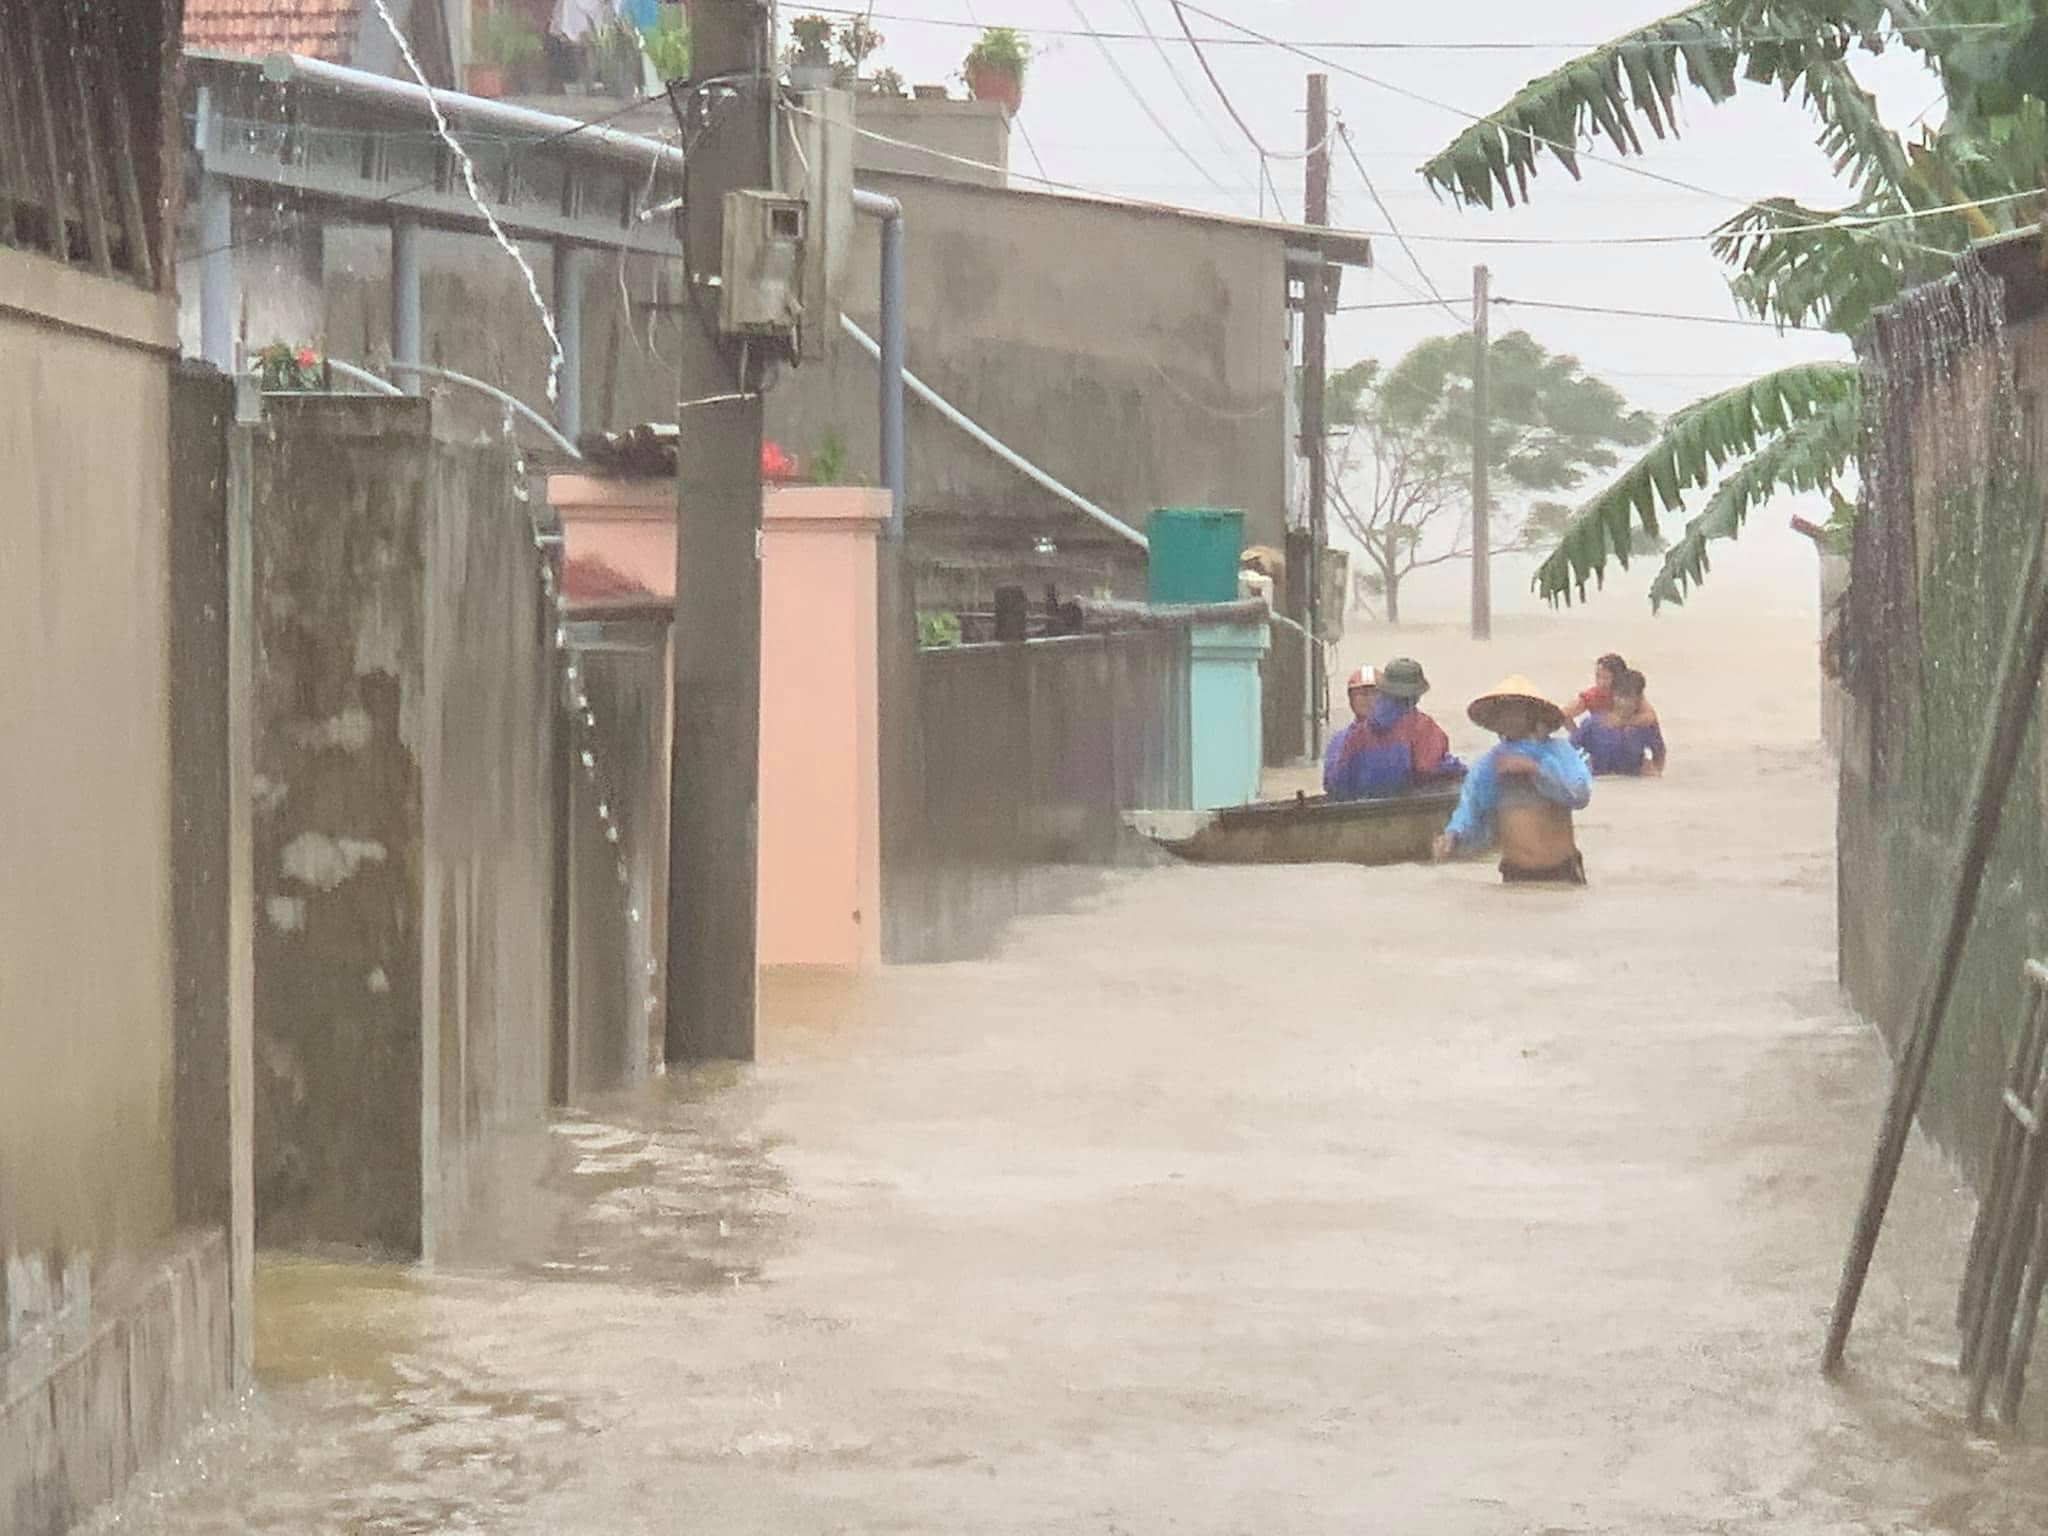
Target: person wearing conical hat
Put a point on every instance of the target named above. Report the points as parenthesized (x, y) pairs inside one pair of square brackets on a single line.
[(1390, 745), (1522, 793)]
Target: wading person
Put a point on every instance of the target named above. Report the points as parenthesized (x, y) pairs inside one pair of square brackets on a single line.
[(1522, 793), (1390, 745), (1625, 738), (1601, 695)]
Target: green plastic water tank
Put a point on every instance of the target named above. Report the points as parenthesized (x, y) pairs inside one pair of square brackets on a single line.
[(1194, 554)]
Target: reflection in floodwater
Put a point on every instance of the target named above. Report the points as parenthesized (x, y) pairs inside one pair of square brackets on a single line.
[(1274, 1201)]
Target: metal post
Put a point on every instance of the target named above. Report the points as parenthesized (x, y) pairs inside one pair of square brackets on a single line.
[(569, 270), (405, 299), (1482, 530), (714, 775), (894, 332), (216, 248), (1314, 428)]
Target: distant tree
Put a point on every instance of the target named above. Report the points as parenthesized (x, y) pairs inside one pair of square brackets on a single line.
[(1400, 472)]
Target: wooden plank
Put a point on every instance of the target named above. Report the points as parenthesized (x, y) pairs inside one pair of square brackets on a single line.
[(134, 215), (1984, 1237), (59, 206), (91, 185)]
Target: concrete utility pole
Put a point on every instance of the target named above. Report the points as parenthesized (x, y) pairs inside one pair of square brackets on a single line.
[(1314, 429), (1482, 531), (714, 765)]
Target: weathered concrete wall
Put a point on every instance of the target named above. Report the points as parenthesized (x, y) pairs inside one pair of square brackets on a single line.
[(1141, 357), (118, 1330), (86, 1010), (610, 1029), (969, 130), (1026, 757), (301, 284), (403, 835)]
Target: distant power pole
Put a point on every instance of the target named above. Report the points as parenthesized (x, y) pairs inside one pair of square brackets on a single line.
[(1482, 531), (1315, 315), (727, 111)]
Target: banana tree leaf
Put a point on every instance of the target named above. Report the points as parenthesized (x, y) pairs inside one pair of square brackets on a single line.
[(1695, 444)]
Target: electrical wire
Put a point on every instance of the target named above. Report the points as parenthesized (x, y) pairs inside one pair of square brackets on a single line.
[(1216, 135), (1344, 136), (1145, 106), (1444, 106), (1438, 45), (1657, 314), (1231, 107)]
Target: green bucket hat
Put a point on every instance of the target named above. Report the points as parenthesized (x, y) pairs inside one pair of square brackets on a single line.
[(1402, 678)]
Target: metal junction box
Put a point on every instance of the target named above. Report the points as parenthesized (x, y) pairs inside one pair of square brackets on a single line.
[(761, 282)]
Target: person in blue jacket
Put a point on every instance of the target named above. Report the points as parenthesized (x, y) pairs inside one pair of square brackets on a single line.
[(1390, 746), (1521, 794), (1625, 737)]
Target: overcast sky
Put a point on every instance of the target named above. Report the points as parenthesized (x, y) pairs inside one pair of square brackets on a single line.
[(1088, 128)]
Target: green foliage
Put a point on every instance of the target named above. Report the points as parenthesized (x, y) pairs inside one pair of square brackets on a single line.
[(1697, 442), (813, 35), (1002, 51), (1550, 426), (668, 43), (828, 464), (504, 40), (889, 82), (1799, 265), (282, 368), (858, 39), (938, 630)]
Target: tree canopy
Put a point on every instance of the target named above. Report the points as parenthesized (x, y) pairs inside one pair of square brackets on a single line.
[(1910, 206), (1407, 446)]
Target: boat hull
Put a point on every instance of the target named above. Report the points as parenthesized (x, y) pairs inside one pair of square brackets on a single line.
[(1305, 830)]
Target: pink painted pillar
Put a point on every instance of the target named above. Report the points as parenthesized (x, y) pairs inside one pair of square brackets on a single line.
[(820, 834), (821, 831)]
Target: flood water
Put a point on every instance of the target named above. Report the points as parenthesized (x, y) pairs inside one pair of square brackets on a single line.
[(1231, 1200)]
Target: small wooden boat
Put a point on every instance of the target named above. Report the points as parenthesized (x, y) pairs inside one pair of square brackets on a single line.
[(1308, 829)]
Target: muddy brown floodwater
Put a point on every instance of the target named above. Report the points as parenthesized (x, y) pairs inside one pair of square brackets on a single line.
[(1233, 1200)]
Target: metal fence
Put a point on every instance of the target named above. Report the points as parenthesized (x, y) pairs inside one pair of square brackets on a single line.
[(1949, 492), (1025, 758)]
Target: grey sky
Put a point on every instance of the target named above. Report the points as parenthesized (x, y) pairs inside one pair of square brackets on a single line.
[(1089, 129)]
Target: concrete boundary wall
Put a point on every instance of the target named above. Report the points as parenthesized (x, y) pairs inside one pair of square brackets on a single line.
[(404, 655)]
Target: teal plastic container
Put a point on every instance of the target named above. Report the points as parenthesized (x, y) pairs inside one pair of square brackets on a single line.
[(1194, 554)]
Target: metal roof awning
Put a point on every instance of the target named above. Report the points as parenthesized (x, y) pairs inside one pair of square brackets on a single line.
[(365, 145)]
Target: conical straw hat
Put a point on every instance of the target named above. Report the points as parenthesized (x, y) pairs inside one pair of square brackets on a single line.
[(1485, 710)]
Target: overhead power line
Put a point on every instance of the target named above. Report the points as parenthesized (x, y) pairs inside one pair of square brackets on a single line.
[(1431, 45), (1344, 134), (1659, 314), (1145, 106), (1216, 135), (1229, 106)]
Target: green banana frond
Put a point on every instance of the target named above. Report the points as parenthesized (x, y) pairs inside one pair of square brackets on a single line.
[(1809, 455), (1696, 442), (1598, 94), (1636, 80), (1790, 270)]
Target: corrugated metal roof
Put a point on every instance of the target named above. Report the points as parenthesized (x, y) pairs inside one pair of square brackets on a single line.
[(318, 29)]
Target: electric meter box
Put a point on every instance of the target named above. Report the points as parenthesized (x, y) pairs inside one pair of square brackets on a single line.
[(761, 280)]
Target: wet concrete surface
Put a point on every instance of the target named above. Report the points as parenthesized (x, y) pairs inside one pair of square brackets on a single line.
[(1231, 1200)]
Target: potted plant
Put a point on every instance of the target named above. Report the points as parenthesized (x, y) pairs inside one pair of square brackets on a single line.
[(887, 82), (668, 43), (283, 369), (505, 45), (995, 67), (618, 65), (858, 40), (810, 64)]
